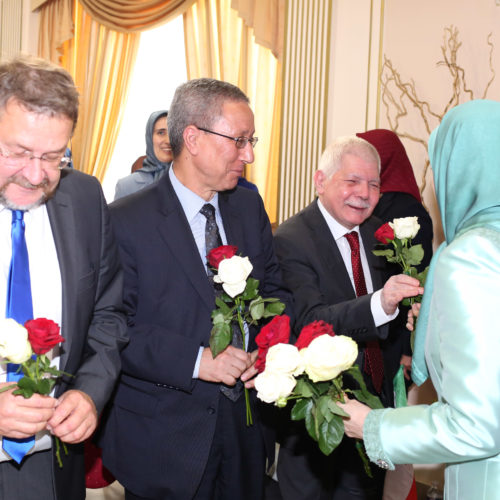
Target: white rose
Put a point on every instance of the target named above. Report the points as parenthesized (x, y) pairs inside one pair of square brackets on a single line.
[(284, 358), (274, 386), (406, 227), (326, 356), (233, 274), (14, 343)]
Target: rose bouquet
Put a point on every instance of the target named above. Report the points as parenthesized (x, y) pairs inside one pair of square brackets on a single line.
[(18, 344), (399, 234), (310, 373), (239, 302)]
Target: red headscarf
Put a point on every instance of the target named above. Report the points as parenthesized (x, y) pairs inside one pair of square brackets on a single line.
[(396, 173)]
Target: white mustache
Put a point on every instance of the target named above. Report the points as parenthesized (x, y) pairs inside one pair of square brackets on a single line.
[(358, 204)]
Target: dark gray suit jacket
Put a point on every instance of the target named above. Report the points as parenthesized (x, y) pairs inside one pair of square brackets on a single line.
[(93, 321), (313, 269)]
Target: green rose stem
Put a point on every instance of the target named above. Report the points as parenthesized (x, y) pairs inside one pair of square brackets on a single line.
[(242, 329), (33, 369)]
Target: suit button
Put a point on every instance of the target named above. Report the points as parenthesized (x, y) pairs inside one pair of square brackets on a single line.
[(210, 410)]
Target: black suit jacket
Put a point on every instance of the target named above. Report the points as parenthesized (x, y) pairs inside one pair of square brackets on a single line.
[(162, 422), (313, 269), (93, 320)]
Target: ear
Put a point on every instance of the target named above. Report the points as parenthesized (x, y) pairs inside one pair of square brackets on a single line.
[(191, 136), (319, 181)]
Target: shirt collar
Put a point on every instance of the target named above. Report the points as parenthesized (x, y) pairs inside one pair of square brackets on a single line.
[(190, 201), (337, 229)]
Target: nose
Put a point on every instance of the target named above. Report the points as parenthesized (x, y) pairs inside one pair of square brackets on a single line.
[(247, 153), (34, 171), (363, 190)]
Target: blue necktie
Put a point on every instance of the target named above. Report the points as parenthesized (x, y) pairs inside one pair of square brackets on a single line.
[(20, 308)]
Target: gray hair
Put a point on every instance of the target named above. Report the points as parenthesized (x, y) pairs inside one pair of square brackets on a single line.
[(198, 102), (331, 159), (38, 86)]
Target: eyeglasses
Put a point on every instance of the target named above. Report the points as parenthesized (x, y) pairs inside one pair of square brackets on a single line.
[(53, 161), (241, 142)]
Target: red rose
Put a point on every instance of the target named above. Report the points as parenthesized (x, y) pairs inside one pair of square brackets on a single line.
[(260, 364), (43, 334), (216, 255), (384, 233), (277, 331), (311, 331)]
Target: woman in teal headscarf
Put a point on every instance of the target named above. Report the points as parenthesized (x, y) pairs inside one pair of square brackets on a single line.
[(458, 330)]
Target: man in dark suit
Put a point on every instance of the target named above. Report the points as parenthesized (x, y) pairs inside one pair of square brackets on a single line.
[(73, 278), (315, 254), (171, 433)]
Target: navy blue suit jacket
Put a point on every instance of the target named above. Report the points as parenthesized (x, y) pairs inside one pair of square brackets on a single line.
[(162, 421)]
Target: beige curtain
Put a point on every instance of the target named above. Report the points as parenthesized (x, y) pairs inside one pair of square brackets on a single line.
[(56, 27), (267, 18), (219, 45), (134, 15), (100, 61)]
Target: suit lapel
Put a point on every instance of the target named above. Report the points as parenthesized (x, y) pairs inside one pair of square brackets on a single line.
[(375, 264), (61, 218), (327, 249), (233, 226), (176, 233)]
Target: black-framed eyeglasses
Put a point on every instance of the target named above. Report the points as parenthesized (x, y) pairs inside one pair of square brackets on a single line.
[(240, 142)]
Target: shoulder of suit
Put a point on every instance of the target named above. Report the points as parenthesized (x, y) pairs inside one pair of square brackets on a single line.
[(307, 217)]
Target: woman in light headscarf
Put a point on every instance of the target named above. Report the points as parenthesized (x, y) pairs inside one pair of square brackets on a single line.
[(158, 157), (458, 329)]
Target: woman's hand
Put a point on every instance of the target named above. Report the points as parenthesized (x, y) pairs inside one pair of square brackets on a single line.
[(413, 313), (358, 411)]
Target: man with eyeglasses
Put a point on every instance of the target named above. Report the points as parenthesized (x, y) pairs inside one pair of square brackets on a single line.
[(171, 432), (59, 261)]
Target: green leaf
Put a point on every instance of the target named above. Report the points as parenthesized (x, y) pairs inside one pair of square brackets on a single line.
[(223, 307), (274, 308), (218, 317), (388, 252), (330, 434), (251, 289), (300, 409), (321, 388), (323, 407), (43, 386), (303, 388), (337, 410), (363, 395), (416, 254), (311, 421), (220, 338), (256, 309), (423, 276)]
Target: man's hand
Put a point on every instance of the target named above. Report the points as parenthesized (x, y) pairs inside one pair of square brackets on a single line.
[(248, 375), (396, 289), (75, 417), (353, 426), (227, 367), (21, 418)]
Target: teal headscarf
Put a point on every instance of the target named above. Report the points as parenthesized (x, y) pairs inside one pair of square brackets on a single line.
[(464, 151)]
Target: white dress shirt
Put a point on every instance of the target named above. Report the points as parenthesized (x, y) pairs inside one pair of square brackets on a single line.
[(338, 232), (46, 287)]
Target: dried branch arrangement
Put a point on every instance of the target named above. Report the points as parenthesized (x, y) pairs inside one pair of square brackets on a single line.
[(399, 95)]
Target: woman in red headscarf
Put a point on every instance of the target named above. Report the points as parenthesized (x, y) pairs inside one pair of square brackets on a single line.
[(400, 196)]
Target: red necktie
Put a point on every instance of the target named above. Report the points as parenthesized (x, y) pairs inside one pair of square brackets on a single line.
[(374, 365)]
